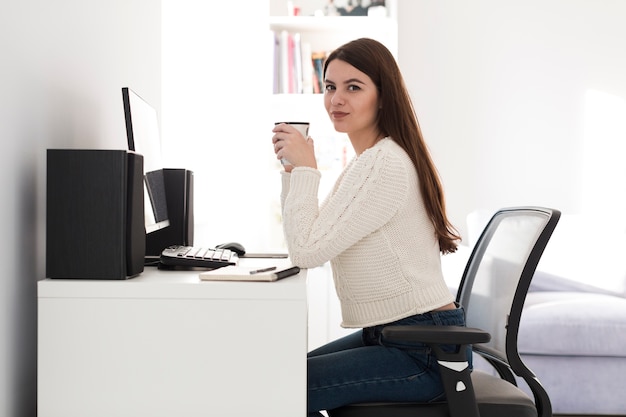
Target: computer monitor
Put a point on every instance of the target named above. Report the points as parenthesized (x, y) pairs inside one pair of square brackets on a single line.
[(142, 131)]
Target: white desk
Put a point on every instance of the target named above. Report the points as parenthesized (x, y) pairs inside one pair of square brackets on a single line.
[(167, 344)]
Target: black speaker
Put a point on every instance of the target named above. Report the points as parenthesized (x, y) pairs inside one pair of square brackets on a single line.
[(95, 214), (179, 196)]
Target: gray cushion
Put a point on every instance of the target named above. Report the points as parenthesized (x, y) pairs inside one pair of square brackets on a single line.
[(573, 324), (581, 385)]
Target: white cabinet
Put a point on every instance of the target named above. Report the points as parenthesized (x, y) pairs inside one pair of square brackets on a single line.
[(167, 344)]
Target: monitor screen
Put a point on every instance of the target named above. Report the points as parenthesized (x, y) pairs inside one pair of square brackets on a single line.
[(142, 131)]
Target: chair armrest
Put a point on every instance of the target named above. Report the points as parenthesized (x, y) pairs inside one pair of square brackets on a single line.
[(454, 366), (441, 335)]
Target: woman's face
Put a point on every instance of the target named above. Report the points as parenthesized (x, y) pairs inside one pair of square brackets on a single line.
[(351, 100)]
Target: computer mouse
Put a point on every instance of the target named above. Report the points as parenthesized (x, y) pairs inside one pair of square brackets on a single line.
[(234, 246)]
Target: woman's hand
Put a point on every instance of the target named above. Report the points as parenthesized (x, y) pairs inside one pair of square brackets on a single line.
[(291, 145)]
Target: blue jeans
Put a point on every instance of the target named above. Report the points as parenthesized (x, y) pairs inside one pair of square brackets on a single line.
[(362, 367)]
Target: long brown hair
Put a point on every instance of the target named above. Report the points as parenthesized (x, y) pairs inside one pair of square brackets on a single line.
[(397, 119)]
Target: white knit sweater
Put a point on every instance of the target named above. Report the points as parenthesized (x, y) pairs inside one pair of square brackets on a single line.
[(374, 230)]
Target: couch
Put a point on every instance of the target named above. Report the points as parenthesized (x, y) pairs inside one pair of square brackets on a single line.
[(573, 329)]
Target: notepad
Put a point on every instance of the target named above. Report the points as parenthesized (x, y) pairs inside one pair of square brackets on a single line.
[(251, 273)]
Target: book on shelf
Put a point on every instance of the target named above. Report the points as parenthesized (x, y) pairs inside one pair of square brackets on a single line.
[(297, 68), (276, 61), (307, 70), (297, 63), (318, 59), (283, 61)]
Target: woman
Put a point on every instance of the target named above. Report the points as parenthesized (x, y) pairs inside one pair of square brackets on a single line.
[(382, 227)]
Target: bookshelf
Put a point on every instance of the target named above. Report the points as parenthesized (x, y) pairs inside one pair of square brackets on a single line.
[(324, 33), (328, 32)]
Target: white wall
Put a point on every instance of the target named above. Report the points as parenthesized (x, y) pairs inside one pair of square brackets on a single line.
[(63, 65), (505, 92), (507, 95), (216, 87)]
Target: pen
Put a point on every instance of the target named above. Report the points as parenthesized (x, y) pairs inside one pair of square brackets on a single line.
[(258, 271), (287, 272)]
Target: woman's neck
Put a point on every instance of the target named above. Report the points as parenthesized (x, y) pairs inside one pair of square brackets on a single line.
[(361, 143)]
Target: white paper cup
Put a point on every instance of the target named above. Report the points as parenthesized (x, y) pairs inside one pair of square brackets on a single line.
[(303, 128)]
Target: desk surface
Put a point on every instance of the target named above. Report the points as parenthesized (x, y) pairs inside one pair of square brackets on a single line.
[(154, 283)]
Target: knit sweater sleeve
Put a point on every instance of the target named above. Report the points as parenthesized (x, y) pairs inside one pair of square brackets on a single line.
[(368, 194)]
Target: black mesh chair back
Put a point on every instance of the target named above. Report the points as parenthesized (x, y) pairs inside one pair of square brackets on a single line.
[(495, 283), (492, 291)]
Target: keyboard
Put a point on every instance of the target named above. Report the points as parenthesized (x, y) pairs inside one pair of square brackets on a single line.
[(197, 257)]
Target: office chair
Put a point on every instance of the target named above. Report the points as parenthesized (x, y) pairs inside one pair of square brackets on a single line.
[(492, 290)]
